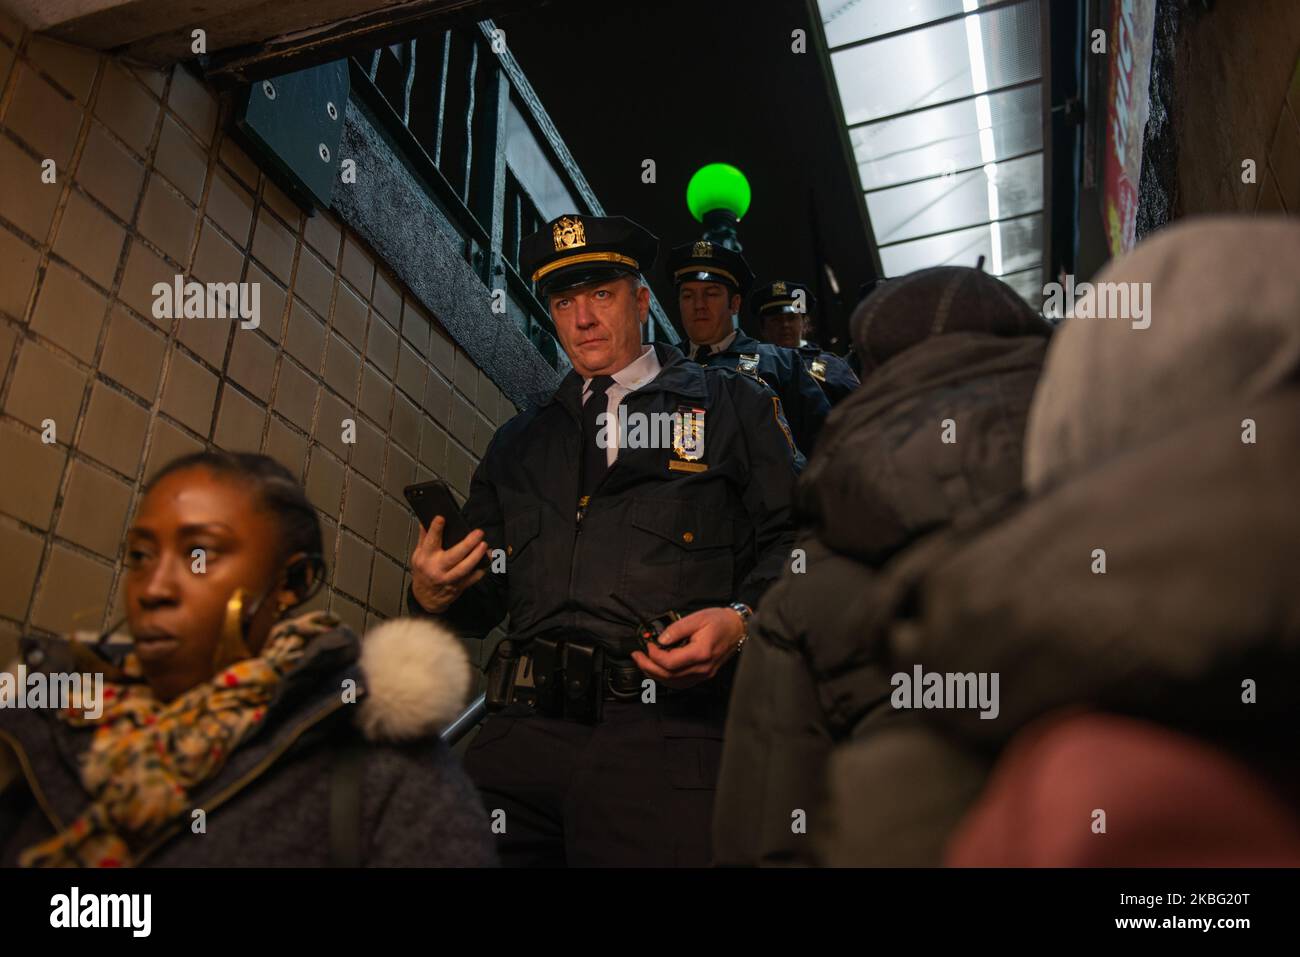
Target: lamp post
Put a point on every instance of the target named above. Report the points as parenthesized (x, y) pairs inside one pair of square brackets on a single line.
[(718, 196)]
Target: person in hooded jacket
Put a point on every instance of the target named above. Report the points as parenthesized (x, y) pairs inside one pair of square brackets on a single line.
[(1140, 607), (950, 357), (226, 732)]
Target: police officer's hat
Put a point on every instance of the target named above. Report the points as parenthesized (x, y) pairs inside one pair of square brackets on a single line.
[(574, 250), (780, 297), (703, 261)]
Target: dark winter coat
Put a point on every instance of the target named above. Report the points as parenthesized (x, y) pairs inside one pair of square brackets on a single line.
[(407, 801), (814, 671), (833, 374), (806, 405), (1152, 571), (658, 533)]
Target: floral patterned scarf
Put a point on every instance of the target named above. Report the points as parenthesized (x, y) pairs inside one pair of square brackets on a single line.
[(147, 756)]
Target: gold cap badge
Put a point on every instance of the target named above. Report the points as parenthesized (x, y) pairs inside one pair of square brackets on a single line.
[(568, 233), (702, 249), (778, 289)]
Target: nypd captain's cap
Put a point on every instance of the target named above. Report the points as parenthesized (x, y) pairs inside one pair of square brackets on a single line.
[(574, 250), (782, 296), (704, 261)]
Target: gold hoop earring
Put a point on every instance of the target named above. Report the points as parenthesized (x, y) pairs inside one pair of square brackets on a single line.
[(231, 647)]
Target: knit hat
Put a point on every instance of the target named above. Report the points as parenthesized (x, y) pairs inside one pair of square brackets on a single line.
[(932, 302)]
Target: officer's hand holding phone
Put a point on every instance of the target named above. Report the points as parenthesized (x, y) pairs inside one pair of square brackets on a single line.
[(439, 574)]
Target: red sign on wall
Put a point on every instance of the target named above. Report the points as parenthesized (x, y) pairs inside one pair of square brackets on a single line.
[(1130, 42)]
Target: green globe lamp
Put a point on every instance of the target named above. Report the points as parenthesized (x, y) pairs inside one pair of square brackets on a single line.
[(718, 196)]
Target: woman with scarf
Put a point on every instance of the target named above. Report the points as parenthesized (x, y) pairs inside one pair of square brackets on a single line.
[(229, 733)]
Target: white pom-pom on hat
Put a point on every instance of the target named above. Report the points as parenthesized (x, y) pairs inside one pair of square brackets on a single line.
[(417, 678)]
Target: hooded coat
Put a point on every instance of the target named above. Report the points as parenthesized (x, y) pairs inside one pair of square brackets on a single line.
[(932, 436), (1152, 572), (327, 779)]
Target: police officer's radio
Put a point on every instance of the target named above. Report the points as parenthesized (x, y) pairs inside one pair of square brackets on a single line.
[(649, 629)]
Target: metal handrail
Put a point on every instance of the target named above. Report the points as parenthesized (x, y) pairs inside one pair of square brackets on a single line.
[(427, 158), (465, 722), (426, 167)]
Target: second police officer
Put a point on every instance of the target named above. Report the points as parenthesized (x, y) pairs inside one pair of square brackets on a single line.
[(711, 283)]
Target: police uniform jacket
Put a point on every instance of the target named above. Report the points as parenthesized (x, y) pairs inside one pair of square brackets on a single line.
[(806, 406), (831, 372), (660, 531)]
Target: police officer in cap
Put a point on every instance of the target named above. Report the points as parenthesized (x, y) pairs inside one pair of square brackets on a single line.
[(711, 281), (784, 312), (642, 510)]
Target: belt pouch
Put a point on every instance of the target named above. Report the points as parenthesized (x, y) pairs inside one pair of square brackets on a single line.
[(546, 677), (584, 682), (499, 688)]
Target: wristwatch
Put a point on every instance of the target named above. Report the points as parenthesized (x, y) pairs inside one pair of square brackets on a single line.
[(745, 613)]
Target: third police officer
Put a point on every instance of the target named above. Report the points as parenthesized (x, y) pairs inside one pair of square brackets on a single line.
[(785, 312)]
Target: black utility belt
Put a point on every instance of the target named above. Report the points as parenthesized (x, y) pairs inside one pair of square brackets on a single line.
[(561, 676)]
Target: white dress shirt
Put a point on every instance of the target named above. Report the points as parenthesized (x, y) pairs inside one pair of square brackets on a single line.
[(627, 379), (720, 346)]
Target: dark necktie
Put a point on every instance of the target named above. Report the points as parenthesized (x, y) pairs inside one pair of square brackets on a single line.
[(594, 458), (701, 352)]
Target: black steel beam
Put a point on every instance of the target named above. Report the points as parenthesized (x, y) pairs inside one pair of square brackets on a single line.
[(1017, 272), (956, 172), (928, 24), (960, 229), (351, 37), (934, 106), (822, 52)]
